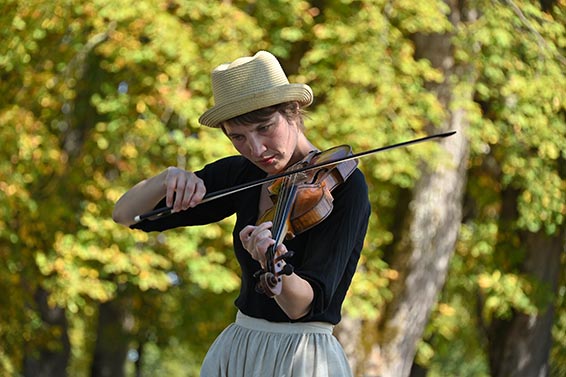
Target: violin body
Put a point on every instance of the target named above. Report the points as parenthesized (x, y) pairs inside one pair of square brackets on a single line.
[(313, 201)]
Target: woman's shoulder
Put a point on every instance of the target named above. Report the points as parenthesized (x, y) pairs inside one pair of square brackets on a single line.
[(353, 191), (356, 182)]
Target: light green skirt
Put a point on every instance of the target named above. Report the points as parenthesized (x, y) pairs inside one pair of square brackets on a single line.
[(253, 347)]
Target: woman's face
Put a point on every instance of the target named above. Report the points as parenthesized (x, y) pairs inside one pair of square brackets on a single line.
[(270, 145)]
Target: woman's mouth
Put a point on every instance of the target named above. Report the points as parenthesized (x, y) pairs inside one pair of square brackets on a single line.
[(267, 161)]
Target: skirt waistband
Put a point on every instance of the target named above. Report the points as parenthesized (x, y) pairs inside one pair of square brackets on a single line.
[(283, 327)]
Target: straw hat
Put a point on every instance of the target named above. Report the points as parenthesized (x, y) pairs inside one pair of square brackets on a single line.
[(248, 84)]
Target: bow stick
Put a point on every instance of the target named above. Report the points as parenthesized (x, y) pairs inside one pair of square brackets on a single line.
[(163, 211)]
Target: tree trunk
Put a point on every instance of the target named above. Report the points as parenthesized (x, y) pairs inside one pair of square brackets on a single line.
[(49, 362), (423, 253), (521, 345), (349, 333), (112, 341)]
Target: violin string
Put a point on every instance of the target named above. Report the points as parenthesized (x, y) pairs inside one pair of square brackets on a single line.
[(282, 200), (282, 210), (275, 228)]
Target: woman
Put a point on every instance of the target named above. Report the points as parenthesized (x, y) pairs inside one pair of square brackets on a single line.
[(290, 334)]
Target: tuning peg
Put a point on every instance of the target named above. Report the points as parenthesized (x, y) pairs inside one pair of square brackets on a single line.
[(287, 269), (288, 254)]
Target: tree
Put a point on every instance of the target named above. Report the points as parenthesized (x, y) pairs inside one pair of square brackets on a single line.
[(511, 243), (431, 219), (531, 220), (98, 96)]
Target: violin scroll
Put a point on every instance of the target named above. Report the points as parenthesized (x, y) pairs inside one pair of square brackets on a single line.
[(270, 280)]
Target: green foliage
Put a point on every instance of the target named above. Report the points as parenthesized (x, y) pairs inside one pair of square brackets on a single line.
[(517, 147), (521, 90), (522, 86), (102, 95), (99, 95)]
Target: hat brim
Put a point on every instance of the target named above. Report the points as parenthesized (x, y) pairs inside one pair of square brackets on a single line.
[(242, 105)]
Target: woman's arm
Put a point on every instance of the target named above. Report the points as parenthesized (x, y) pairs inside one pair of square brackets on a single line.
[(182, 190), (296, 294)]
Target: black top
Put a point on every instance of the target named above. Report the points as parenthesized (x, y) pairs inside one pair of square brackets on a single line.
[(326, 255)]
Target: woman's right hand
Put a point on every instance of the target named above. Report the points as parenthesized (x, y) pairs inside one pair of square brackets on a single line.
[(183, 189)]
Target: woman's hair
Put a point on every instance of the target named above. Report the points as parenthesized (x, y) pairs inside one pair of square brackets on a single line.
[(290, 110)]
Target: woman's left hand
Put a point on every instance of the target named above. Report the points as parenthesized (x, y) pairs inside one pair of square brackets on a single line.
[(296, 294), (257, 239)]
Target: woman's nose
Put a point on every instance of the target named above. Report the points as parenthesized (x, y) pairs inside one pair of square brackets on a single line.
[(256, 146)]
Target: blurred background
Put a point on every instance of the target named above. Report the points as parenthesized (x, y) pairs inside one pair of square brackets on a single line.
[(462, 273)]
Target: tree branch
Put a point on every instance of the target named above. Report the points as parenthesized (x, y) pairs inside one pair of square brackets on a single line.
[(540, 40)]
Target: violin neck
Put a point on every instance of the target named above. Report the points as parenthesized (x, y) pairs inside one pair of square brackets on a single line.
[(270, 282), (283, 208)]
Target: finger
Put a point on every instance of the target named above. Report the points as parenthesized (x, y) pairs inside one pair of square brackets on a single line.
[(262, 228), (194, 191), (246, 233), (262, 245), (267, 224), (181, 183), (171, 188), (261, 248), (188, 194), (281, 250), (198, 193)]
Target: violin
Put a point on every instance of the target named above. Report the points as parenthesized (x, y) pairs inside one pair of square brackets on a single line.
[(302, 200)]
